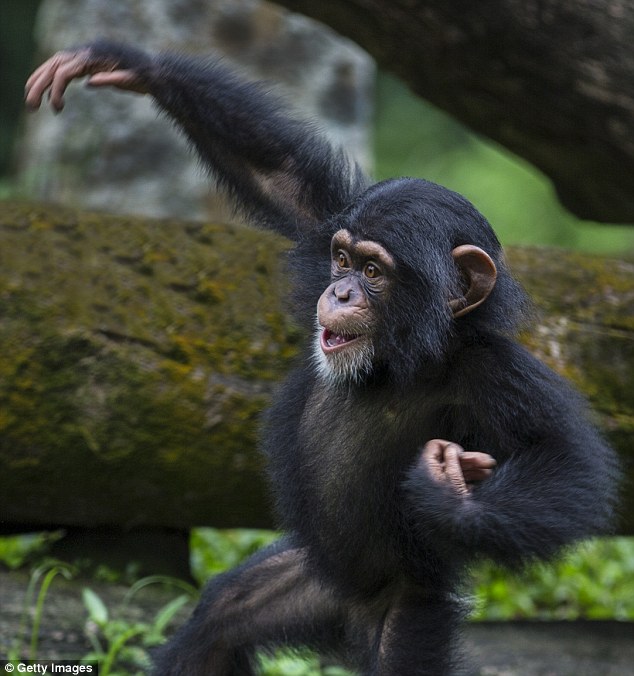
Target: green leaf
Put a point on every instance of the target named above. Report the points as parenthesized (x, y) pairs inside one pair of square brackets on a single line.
[(96, 608), (167, 612)]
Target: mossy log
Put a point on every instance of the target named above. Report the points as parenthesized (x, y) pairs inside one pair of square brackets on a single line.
[(136, 356)]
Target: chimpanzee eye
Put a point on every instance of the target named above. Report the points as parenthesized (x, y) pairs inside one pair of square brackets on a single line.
[(371, 271), (342, 260)]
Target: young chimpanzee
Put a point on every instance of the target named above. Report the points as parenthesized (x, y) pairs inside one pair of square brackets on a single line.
[(404, 287)]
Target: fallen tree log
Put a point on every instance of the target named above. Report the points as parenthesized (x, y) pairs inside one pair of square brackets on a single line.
[(136, 356)]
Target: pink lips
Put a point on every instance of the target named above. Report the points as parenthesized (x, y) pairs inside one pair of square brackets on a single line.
[(331, 341)]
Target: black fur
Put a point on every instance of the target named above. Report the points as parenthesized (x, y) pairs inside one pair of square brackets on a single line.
[(376, 548)]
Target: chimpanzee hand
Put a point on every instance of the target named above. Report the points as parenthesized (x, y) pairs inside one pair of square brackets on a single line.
[(62, 68), (449, 463)]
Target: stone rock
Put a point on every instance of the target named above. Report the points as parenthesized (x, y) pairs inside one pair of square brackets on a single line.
[(110, 150)]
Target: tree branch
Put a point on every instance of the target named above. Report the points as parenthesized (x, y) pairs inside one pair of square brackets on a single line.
[(552, 81)]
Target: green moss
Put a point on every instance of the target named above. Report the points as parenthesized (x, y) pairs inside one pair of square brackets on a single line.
[(129, 349), (585, 331)]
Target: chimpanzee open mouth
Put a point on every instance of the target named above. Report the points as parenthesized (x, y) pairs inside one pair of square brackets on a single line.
[(334, 341)]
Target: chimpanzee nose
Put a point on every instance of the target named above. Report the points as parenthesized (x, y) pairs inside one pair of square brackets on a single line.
[(343, 291)]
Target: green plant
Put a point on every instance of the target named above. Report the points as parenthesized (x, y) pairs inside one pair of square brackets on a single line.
[(213, 551), (296, 663), (593, 581), (48, 570), (110, 636), (18, 550)]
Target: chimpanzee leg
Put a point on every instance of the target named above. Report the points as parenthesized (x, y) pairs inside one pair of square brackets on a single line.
[(418, 635), (270, 600)]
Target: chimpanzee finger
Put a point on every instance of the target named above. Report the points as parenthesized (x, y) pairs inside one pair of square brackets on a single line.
[(434, 450), (47, 68), (475, 459), (77, 67), (478, 474), (432, 458), (122, 79), (453, 469), (43, 77), (37, 84)]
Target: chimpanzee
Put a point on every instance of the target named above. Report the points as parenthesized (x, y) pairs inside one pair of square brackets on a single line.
[(404, 288)]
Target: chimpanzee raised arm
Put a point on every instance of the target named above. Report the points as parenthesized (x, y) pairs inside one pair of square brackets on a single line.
[(280, 170)]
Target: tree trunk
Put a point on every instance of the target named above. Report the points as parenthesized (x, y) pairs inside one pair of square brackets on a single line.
[(552, 81), (136, 356)]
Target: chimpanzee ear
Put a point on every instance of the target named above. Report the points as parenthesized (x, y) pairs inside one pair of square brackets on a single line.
[(479, 273)]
